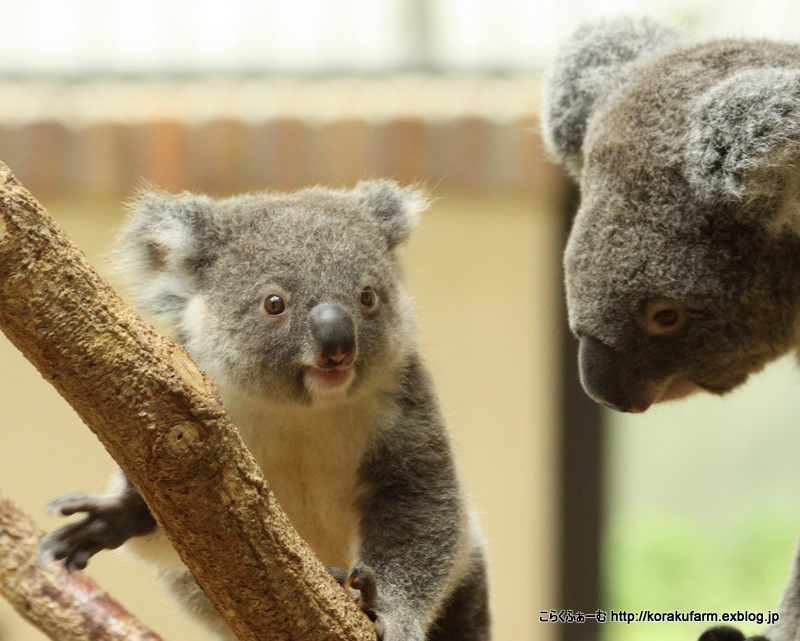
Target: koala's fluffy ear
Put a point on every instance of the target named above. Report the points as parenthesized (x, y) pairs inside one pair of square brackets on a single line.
[(395, 208), (744, 138), (167, 241), (587, 63)]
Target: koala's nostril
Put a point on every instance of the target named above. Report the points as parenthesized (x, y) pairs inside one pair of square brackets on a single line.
[(334, 331), (338, 360), (340, 356)]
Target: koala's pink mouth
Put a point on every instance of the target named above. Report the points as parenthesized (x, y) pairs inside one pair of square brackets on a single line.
[(671, 389), (675, 388), (328, 380)]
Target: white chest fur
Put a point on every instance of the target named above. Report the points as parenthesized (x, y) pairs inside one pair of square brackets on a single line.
[(310, 458)]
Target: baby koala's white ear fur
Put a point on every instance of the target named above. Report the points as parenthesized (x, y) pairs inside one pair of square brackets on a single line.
[(395, 208), (157, 251), (165, 228), (743, 142)]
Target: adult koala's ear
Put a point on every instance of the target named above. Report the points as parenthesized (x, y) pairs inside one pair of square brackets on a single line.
[(395, 208), (744, 142), (166, 243), (587, 64)]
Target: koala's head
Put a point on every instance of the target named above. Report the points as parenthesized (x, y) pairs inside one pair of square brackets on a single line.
[(683, 264), (294, 297)]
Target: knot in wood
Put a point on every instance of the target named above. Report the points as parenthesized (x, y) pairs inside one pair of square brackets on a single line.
[(183, 435)]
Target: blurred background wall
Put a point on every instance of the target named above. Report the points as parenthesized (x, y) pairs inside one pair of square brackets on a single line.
[(687, 507)]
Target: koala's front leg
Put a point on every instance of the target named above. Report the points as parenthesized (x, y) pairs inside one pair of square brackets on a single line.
[(111, 519), (414, 536)]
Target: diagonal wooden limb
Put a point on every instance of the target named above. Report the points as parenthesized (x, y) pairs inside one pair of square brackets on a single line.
[(162, 420), (66, 607)]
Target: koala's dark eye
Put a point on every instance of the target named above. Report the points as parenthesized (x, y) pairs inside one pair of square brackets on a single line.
[(666, 318), (663, 317), (274, 305), (368, 298)]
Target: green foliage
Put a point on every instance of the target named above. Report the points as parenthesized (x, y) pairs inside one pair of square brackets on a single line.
[(662, 561)]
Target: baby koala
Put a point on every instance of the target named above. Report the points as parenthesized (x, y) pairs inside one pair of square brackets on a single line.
[(295, 307)]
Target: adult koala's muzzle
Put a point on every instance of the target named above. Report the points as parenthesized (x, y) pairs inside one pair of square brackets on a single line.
[(608, 380)]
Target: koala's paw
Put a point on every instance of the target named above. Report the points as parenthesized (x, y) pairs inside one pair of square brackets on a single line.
[(727, 633), (110, 520), (360, 586)]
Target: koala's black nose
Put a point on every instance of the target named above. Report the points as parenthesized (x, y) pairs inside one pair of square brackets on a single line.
[(334, 331), (608, 380)]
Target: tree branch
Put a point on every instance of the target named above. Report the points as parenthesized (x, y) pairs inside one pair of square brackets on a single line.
[(66, 607), (162, 420)]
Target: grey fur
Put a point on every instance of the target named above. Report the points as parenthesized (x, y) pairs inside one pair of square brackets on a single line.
[(744, 136), (585, 68), (365, 470), (683, 265)]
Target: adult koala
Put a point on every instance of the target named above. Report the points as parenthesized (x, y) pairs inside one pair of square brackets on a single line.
[(683, 265)]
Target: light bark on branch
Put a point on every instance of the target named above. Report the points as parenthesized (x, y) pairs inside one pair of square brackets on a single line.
[(66, 607), (162, 420)]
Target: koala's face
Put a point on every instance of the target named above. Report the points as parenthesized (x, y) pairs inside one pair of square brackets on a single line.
[(296, 298), (682, 266), (302, 302), (667, 299)]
